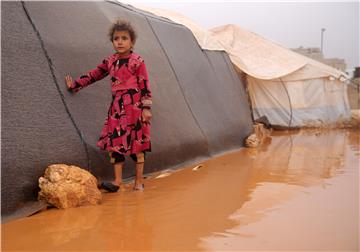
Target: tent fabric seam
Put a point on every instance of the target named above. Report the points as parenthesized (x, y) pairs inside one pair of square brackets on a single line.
[(48, 59), (177, 79), (231, 66)]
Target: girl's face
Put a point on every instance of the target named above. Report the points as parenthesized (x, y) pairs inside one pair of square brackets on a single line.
[(122, 42)]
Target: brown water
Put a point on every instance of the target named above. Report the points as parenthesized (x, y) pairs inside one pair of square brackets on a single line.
[(298, 192)]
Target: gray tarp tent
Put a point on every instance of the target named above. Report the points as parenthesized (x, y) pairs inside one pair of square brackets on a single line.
[(200, 109)]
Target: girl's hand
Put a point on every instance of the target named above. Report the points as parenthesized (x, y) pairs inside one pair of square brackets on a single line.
[(146, 115), (69, 81)]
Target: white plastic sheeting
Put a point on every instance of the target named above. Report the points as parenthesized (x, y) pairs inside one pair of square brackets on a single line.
[(311, 103), (266, 60)]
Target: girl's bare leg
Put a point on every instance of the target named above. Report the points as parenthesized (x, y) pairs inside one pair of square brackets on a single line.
[(118, 167), (139, 176)]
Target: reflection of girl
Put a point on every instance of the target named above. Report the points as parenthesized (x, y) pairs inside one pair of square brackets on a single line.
[(127, 126)]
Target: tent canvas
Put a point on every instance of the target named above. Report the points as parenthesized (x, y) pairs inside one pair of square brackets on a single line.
[(291, 90)]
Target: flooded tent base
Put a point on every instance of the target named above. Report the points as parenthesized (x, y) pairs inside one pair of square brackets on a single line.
[(297, 191)]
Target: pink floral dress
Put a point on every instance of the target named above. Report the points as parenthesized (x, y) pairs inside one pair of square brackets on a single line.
[(123, 131)]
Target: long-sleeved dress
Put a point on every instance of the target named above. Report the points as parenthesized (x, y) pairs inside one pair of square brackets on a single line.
[(123, 131)]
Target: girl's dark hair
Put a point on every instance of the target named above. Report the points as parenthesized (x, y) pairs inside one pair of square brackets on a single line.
[(122, 25)]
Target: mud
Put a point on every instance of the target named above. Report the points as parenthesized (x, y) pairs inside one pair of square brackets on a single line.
[(298, 191)]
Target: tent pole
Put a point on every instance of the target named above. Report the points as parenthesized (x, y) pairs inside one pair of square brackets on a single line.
[(244, 79), (291, 110)]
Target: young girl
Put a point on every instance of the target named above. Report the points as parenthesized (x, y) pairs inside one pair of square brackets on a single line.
[(127, 126)]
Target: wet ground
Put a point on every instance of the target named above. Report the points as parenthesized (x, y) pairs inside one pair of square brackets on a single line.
[(299, 191)]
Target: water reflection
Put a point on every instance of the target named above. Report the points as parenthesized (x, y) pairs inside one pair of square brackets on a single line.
[(301, 158), (295, 165)]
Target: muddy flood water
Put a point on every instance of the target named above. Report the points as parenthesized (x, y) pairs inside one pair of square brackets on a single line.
[(297, 192)]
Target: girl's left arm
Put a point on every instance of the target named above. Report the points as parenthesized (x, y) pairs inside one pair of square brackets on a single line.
[(144, 86)]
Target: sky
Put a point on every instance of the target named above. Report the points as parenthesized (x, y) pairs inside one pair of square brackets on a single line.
[(289, 23)]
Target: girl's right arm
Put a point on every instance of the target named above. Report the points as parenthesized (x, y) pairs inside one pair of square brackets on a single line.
[(100, 72)]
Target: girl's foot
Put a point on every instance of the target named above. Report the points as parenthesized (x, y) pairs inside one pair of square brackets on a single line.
[(110, 187), (139, 187)]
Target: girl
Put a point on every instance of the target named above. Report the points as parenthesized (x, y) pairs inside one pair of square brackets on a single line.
[(127, 126)]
